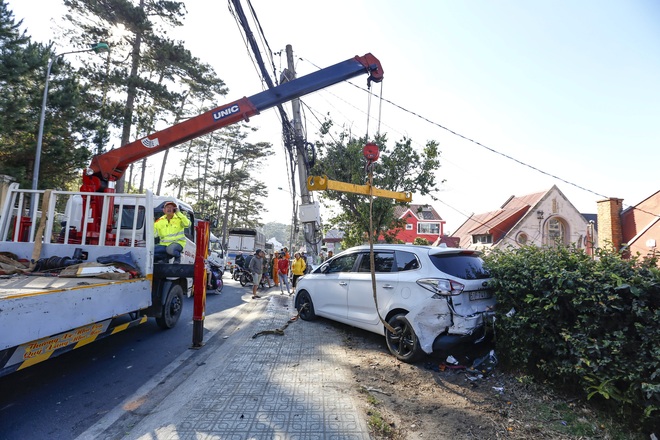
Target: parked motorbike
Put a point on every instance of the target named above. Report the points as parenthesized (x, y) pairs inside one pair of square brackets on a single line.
[(246, 278), (216, 267), (237, 272)]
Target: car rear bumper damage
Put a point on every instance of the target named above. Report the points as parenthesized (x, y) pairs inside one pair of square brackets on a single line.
[(475, 335)]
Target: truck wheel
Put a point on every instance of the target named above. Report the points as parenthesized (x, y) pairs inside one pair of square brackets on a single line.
[(172, 308)]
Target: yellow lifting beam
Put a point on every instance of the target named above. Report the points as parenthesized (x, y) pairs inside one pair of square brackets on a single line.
[(319, 183)]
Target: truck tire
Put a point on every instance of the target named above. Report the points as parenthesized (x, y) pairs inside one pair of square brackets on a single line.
[(171, 308)]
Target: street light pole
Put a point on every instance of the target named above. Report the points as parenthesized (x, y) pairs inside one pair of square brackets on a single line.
[(98, 47)]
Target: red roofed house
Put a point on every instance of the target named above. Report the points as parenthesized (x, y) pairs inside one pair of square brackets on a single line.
[(543, 218), (421, 221), (636, 229)]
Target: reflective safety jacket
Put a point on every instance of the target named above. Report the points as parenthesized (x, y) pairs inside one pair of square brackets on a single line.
[(171, 231)]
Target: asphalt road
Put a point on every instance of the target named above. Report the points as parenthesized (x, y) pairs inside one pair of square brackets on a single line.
[(62, 397)]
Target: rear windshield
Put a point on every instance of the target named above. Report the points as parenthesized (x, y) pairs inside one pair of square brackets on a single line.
[(464, 266)]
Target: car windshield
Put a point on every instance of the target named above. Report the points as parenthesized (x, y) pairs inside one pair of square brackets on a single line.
[(464, 266)]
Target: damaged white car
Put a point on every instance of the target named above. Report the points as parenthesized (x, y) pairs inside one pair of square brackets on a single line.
[(432, 297)]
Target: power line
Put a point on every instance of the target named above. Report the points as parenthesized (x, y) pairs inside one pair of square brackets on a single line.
[(492, 150)]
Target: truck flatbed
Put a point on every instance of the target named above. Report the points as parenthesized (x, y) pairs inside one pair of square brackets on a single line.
[(12, 286)]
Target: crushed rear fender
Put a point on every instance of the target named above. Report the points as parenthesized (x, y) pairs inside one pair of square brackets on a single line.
[(429, 319)]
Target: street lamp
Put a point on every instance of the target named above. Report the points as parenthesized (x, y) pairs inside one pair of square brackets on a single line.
[(97, 48)]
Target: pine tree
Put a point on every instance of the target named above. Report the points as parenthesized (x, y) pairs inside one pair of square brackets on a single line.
[(67, 123), (152, 76)]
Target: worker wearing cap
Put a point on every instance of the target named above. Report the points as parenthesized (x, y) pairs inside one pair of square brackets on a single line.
[(169, 228)]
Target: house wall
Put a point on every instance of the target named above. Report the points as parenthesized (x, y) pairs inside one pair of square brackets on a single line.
[(408, 236), (640, 227), (552, 206), (647, 243)]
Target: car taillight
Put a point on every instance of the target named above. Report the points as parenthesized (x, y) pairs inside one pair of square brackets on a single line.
[(441, 287)]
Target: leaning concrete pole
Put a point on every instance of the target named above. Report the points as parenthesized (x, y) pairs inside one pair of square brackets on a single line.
[(308, 211)]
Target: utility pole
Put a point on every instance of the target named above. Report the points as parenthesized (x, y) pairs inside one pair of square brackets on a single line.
[(309, 212)]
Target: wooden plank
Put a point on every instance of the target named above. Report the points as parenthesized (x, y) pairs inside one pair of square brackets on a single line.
[(38, 238)]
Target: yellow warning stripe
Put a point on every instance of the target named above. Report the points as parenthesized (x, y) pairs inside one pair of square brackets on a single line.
[(123, 327), (111, 331), (35, 360)]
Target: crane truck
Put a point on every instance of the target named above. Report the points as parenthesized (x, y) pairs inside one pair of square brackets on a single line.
[(69, 279)]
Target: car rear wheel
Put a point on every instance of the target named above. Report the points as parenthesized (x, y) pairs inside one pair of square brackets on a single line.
[(404, 344), (304, 306)]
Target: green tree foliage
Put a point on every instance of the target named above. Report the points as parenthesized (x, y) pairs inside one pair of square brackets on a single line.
[(219, 173), (400, 168), (583, 324), (421, 241), (149, 79), (68, 119)]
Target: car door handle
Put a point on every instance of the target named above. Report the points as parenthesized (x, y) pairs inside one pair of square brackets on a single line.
[(343, 283), (388, 286)]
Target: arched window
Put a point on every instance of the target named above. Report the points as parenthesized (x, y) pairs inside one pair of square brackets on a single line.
[(556, 232)]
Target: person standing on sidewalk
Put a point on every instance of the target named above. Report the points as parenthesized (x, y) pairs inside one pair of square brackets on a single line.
[(283, 273), (297, 268), (268, 270), (256, 268), (274, 264)]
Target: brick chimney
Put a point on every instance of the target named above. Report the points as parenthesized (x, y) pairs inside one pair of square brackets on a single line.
[(609, 223)]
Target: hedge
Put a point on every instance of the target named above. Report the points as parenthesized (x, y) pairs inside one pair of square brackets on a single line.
[(583, 324)]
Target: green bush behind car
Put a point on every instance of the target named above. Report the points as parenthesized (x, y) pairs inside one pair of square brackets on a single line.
[(588, 325)]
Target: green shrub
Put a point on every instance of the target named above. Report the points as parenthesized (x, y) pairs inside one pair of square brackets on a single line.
[(591, 326)]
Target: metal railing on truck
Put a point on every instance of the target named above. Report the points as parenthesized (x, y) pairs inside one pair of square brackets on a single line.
[(18, 224), (35, 235)]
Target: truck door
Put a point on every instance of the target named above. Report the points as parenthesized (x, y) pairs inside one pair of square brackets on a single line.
[(248, 244)]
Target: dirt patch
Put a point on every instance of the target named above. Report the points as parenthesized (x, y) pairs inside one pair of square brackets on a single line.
[(419, 401)]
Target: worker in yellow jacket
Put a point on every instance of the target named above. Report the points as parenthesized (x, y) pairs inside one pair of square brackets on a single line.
[(297, 268), (170, 229)]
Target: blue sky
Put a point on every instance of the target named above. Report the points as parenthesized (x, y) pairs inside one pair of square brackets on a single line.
[(570, 88)]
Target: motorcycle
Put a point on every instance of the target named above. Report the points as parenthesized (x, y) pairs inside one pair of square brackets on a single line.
[(246, 278), (215, 266), (237, 272)]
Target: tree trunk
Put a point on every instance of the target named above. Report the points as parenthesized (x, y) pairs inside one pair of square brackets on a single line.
[(131, 94)]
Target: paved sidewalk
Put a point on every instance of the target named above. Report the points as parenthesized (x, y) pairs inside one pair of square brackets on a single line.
[(295, 386)]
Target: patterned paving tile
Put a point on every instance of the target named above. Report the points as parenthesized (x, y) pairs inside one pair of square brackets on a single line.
[(273, 387)]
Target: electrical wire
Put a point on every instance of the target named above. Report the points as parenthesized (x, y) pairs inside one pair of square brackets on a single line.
[(262, 36), (492, 150)]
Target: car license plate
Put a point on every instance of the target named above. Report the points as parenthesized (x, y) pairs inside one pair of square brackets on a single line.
[(481, 294)]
